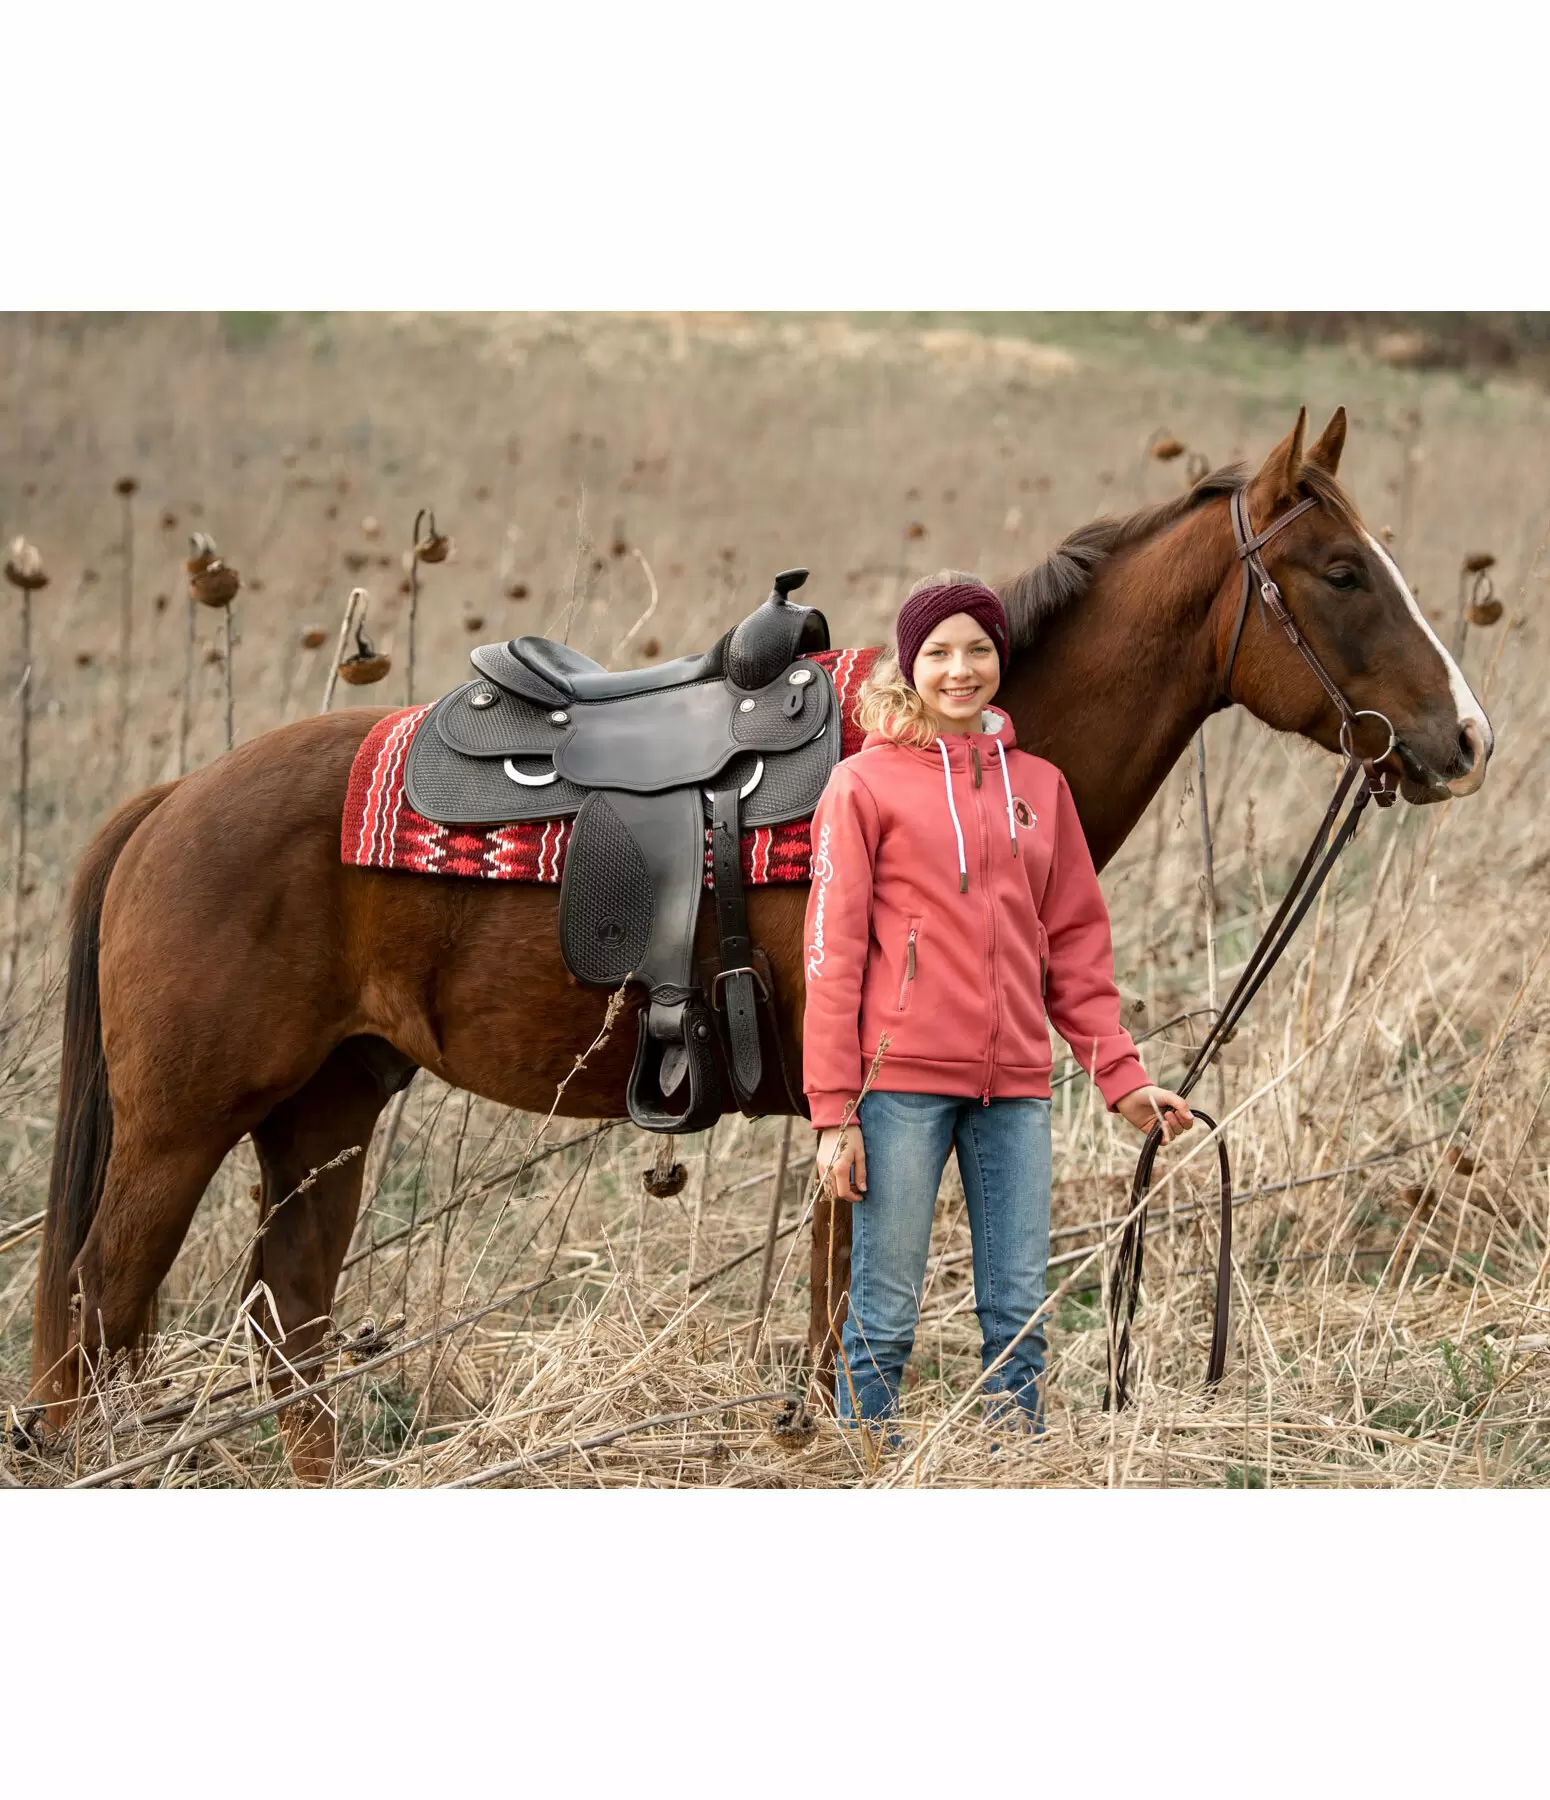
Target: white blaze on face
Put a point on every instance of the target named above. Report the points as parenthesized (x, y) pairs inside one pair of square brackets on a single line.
[(1469, 708)]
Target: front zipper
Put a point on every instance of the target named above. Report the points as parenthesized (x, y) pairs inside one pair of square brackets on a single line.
[(990, 936), (979, 774), (906, 987)]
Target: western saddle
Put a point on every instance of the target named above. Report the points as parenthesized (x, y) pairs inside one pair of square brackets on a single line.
[(742, 735)]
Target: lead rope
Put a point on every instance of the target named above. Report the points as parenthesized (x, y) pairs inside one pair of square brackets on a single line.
[(1125, 1290), (1305, 885)]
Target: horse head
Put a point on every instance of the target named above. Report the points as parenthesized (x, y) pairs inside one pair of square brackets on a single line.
[(1354, 610)]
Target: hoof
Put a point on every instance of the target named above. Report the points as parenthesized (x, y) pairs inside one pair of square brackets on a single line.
[(27, 1428)]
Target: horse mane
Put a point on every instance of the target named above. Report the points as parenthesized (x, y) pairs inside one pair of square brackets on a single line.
[(1048, 589)]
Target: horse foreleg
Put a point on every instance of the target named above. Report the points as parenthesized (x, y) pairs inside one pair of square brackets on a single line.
[(307, 1218), (830, 1287)]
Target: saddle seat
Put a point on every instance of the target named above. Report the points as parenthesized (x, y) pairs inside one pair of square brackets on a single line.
[(741, 731), (751, 655), (578, 677)]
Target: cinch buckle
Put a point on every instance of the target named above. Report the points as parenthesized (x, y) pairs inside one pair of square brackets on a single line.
[(726, 975)]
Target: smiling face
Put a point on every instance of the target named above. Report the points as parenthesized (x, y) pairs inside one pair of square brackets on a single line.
[(957, 673)]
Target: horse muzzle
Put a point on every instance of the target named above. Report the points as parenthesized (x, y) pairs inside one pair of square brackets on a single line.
[(1451, 776)]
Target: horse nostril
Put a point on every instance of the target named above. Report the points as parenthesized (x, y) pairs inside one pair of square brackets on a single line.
[(1473, 747), (1474, 750)]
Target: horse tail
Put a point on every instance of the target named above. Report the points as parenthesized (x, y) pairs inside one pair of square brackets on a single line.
[(83, 1135)]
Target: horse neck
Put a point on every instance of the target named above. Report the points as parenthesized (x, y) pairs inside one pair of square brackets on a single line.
[(1119, 682)]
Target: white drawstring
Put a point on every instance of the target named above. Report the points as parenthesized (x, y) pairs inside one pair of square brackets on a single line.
[(947, 775), (1006, 782)]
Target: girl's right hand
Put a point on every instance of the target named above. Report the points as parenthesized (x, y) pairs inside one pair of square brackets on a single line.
[(843, 1154)]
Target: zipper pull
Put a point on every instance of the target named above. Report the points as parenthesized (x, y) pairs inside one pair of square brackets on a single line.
[(974, 754), (910, 958), (985, 1097)]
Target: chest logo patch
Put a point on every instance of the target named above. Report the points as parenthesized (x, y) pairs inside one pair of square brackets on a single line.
[(1026, 817)]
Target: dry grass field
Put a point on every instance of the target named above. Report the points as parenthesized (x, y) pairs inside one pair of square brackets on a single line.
[(1389, 1136)]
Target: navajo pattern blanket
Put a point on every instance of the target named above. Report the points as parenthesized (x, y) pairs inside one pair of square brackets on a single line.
[(382, 831)]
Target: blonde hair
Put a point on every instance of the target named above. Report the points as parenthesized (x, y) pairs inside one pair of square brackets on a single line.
[(887, 702)]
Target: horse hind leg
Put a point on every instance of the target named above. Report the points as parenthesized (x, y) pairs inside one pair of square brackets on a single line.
[(152, 1188), (306, 1220)]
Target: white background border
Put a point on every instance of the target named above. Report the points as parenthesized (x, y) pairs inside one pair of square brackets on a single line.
[(777, 157)]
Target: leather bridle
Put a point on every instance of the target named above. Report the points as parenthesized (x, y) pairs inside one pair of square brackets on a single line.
[(1306, 883), (1272, 606)]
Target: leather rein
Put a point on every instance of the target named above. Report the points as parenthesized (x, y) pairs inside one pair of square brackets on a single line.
[(1311, 875)]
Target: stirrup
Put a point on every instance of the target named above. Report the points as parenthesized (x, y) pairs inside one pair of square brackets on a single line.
[(675, 1045)]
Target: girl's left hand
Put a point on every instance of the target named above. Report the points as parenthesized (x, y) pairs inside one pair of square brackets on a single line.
[(1142, 1107)]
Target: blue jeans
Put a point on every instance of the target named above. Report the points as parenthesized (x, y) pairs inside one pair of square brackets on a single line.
[(1004, 1159)]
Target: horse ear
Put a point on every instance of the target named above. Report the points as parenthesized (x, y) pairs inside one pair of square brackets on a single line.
[(1277, 479), (1326, 452)]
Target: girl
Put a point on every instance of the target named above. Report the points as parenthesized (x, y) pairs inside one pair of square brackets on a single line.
[(953, 902)]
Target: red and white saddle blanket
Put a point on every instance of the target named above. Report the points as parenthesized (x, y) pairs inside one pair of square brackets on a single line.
[(382, 831)]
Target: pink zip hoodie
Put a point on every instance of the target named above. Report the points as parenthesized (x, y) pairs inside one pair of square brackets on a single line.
[(953, 901)]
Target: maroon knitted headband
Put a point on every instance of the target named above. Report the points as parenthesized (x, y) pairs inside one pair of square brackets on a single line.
[(924, 611)]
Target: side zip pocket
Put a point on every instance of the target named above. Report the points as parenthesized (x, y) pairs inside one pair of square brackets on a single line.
[(907, 986)]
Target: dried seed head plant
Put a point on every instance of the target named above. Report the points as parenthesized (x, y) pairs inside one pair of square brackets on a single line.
[(1477, 604), (367, 665), (126, 487), (434, 546), (23, 570), (428, 546), (1484, 607), (214, 583), (211, 582), (24, 566)]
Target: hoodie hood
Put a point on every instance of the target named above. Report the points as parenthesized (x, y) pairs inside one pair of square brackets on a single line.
[(994, 724)]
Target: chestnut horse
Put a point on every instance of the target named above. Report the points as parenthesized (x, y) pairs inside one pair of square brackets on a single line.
[(230, 976)]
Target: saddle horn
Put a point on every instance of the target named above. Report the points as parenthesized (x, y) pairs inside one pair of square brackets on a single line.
[(775, 635)]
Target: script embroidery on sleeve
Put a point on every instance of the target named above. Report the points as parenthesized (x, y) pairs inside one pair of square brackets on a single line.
[(823, 870)]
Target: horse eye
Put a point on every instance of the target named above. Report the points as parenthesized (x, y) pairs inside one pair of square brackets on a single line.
[(1342, 578)]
